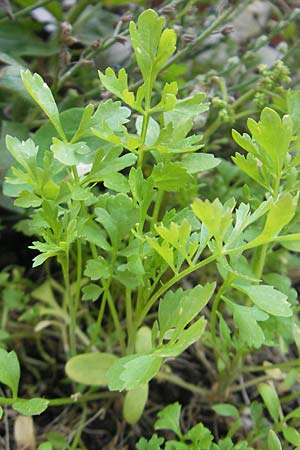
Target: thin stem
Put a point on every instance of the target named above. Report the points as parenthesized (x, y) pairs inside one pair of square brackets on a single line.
[(98, 322), (250, 383), (171, 282), (174, 379), (128, 307), (116, 321), (68, 296), (212, 128), (284, 365), (157, 205), (80, 429), (78, 276), (259, 259), (68, 400), (243, 98), (25, 11), (213, 317)]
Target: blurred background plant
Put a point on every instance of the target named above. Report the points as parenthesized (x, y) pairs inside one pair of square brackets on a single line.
[(245, 55)]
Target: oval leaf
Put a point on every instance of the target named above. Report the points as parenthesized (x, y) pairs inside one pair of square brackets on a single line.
[(90, 368), (30, 407), (268, 299), (134, 403), (9, 370)]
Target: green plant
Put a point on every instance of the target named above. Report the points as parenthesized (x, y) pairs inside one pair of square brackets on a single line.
[(123, 234), (197, 438)]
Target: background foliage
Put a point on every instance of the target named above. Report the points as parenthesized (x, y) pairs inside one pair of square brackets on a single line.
[(244, 56)]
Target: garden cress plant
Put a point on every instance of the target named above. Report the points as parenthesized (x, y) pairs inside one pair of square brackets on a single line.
[(120, 248)]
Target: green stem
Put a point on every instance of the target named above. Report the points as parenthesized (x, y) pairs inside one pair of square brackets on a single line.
[(174, 379), (25, 11), (68, 400), (243, 98), (128, 307), (80, 429), (78, 275), (215, 305), (259, 259), (284, 365), (71, 306), (212, 128), (157, 205), (170, 283), (98, 322), (250, 383), (116, 321)]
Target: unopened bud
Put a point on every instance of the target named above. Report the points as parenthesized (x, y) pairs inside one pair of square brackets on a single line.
[(227, 30), (126, 17), (188, 38), (169, 10), (96, 44), (121, 39)]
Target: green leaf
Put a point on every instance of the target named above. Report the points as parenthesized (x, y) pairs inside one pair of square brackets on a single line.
[(168, 98), (184, 340), (133, 371), (273, 441), (45, 446), (293, 106), (91, 292), (106, 164), (273, 134), (32, 407), (109, 116), (93, 233), (245, 319), (27, 199), (134, 403), (97, 269), (154, 443), (142, 190), (42, 95), (57, 440), (251, 166), (177, 309), (268, 299), (10, 370), (143, 340), (182, 116), (170, 176), (90, 368), (291, 435), (200, 436), (199, 162), (216, 217), (271, 400), (1, 412), (152, 47), (71, 154), (226, 410), (118, 85), (25, 152), (117, 215), (168, 419), (295, 414), (280, 214)]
